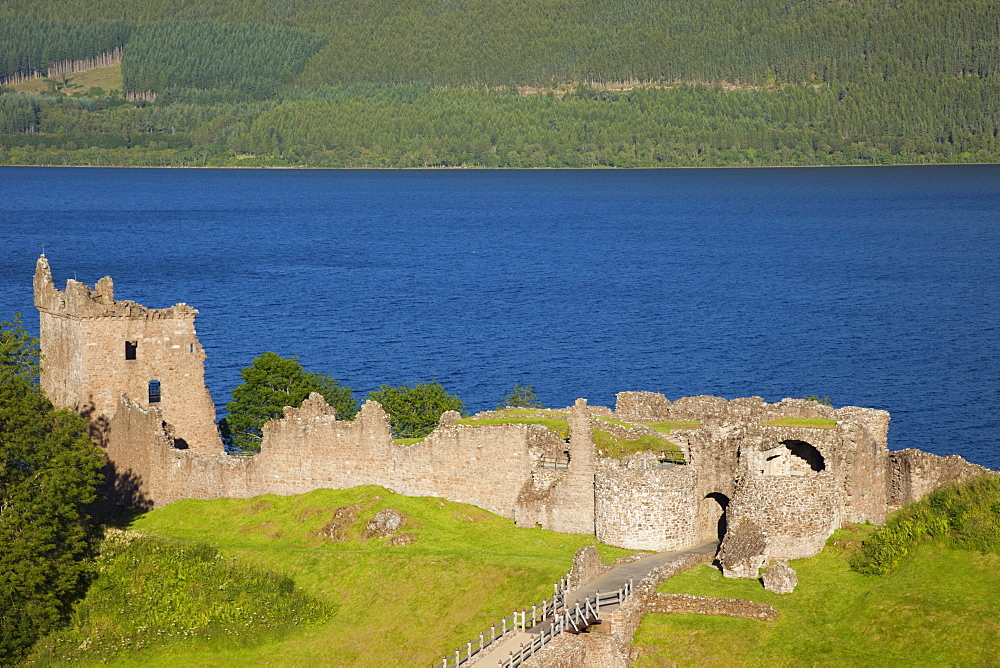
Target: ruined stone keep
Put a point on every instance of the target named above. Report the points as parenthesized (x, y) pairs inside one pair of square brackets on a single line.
[(766, 492)]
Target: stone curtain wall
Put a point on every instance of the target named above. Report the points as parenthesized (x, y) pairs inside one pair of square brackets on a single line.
[(914, 474), (83, 334), (310, 449)]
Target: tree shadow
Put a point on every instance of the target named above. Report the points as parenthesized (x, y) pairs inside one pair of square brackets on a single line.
[(121, 498)]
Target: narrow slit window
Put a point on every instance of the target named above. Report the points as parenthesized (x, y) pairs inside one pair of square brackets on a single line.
[(154, 391), (130, 348)]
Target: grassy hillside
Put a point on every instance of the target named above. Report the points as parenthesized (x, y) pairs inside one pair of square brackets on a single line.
[(361, 601), (938, 609)]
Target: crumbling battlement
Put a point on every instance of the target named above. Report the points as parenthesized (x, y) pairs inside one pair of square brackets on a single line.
[(765, 491), (95, 349)]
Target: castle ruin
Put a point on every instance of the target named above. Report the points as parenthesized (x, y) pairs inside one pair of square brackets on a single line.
[(765, 491)]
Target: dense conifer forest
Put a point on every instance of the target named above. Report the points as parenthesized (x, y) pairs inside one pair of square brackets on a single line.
[(552, 83)]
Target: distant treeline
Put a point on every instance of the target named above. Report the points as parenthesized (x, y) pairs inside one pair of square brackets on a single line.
[(949, 120)]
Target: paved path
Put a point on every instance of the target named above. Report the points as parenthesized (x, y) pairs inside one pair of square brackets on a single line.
[(610, 581)]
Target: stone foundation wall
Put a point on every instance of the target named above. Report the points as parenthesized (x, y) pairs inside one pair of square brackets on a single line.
[(609, 645), (684, 604)]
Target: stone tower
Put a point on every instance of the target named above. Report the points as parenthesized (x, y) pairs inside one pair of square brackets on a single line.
[(95, 349)]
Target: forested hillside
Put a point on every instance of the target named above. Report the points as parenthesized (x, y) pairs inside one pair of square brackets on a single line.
[(506, 83)]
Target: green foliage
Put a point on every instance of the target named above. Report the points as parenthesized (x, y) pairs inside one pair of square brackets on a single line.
[(522, 396), (252, 60), (820, 400), (19, 353), (269, 384), (415, 411), (49, 473), (433, 83), (963, 516), (151, 593), (31, 45)]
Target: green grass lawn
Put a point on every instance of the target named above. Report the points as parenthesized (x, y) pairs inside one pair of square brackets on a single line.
[(816, 423), (386, 605), (939, 608), (609, 445)]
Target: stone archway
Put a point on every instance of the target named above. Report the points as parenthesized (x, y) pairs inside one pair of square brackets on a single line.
[(712, 517)]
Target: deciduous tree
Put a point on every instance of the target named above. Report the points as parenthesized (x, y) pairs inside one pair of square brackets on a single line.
[(415, 411), (269, 384)]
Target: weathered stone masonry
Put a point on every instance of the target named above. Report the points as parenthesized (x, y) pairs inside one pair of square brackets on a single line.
[(767, 492)]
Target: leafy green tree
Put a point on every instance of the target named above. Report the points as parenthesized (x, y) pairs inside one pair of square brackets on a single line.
[(818, 399), (270, 384), (522, 396), (415, 411), (49, 475)]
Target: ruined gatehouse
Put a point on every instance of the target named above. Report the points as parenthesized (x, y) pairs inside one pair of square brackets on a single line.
[(765, 491)]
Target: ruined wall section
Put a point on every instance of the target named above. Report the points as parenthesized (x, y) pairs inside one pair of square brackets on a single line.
[(646, 509), (563, 500), (485, 466), (150, 470), (95, 349), (914, 474), (861, 457), (796, 513)]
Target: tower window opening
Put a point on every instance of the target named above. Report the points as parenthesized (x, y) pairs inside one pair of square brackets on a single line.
[(130, 348), (154, 391)]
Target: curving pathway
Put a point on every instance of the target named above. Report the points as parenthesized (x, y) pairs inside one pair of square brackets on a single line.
[(610, 581)]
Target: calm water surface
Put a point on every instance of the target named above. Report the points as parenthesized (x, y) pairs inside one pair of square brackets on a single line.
[(873, 286)]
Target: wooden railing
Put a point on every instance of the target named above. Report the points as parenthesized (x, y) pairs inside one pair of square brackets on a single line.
[(556, 616), (573, 618)]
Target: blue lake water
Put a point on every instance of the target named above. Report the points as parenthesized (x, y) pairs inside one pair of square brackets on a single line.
[(873, 286)]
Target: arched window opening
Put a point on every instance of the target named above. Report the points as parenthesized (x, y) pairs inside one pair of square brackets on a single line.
[(804, 457), (793, 458), (154, 391)]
